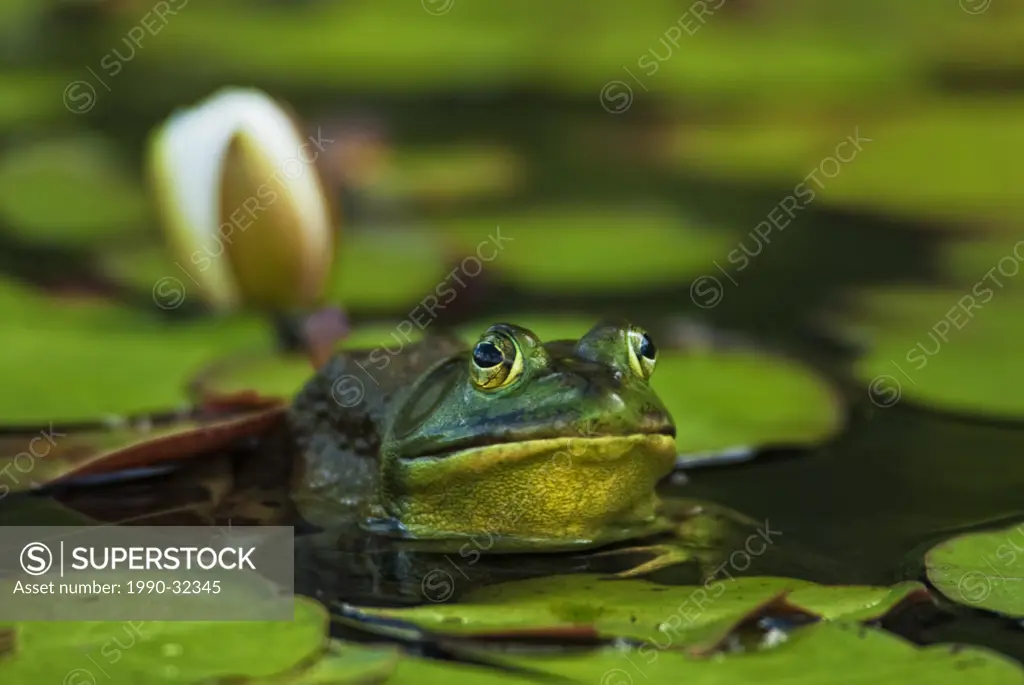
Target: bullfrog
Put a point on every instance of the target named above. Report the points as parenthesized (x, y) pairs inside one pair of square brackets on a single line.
[(542, 445)]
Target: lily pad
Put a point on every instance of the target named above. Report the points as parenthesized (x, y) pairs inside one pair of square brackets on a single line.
[(414, 261), (38, 511), (970, 176), (141, 265), (415, 671), (83, 359), (438, 46), (983, 570), (820, 653), (946, 348), (162, 651), (387, 267), (343, 663), (52, 453), (281, 376), (27, 98), (988, 256), (972, 183), (62, 373), (586, 249), (643, 610), (425, 51), (453, 174), (72, 190), (779, 147), (722, 400), (242, 595), (983, 47)]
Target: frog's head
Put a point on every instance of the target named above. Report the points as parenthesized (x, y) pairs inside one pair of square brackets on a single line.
[(552, 444)]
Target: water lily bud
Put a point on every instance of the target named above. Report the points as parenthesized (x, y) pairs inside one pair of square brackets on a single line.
[(243, 205)]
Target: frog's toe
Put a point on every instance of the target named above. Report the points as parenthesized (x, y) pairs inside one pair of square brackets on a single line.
[(663, 556)]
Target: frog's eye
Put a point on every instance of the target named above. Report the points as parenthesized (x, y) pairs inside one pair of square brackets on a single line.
[(496, 362), (642, 353)]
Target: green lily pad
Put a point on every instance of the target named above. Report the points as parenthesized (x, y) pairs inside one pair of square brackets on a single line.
[(415, 671), (414, 261), (82, 360), (780, 147), (84, 375), (947, 346), (811, 655), (944, 348), (270, 375), (69, 190), (982, 570), (988, 256), (28, 98), (276, 375), (581, 249), (446, 174), (725, 399), (242, 596), (343, 663), (973, 183), (22, 12), (438, 46), (425, 52), (37, 511), (970, 177), (140, 265), (986, 48), (161, 652), (641, 609), (382, 267), (820, 653)]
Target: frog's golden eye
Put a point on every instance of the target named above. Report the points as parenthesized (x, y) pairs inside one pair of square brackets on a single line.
[(496, 362), (642, 353)]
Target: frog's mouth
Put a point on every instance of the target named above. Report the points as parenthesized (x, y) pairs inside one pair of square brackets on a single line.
[(562, 450), (529, 439)]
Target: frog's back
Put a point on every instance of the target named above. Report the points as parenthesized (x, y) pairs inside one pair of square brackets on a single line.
[(338, 418)]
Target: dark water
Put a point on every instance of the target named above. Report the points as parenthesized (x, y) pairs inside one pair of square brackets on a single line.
[(878, 497)]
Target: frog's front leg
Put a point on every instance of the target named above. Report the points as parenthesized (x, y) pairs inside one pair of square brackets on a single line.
[(702, 532)]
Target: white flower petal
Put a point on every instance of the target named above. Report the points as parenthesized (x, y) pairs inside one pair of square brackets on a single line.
[(187, 163)]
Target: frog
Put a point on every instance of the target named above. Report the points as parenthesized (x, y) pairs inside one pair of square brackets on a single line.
[(544, 446)]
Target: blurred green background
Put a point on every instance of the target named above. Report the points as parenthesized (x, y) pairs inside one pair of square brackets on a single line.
[(452, 117)]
